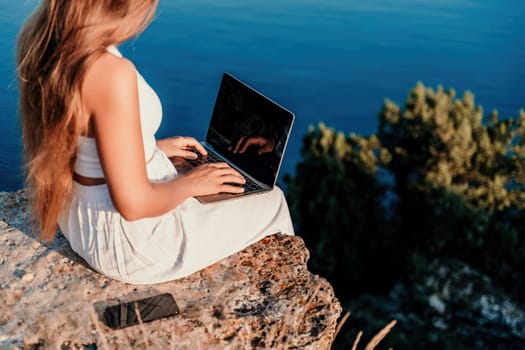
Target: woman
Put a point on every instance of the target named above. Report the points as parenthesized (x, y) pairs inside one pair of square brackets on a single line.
[(93, 164)]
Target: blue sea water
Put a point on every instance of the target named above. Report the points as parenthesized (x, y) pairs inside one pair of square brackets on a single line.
[(330, 60)]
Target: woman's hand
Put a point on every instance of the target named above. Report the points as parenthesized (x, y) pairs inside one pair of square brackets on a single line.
[(213, 178), (179, 146)]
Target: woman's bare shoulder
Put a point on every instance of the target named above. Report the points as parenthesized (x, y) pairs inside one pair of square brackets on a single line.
[(109, 77)]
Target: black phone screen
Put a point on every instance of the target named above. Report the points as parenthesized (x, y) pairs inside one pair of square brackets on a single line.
[(140, 311)]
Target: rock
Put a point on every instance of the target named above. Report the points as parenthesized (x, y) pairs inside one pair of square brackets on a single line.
[(260, 298), (28, 277), (13, 210), (470, 301), (435, 302), (19, 273), (452, 306)]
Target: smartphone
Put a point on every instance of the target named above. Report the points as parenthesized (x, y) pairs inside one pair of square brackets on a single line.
[(140, 311)]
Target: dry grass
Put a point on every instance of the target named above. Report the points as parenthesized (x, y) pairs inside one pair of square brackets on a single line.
[(374, 341), (380, 336), (357, 340)]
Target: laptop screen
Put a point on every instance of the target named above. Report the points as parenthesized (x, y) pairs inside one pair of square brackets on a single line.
[(249, 129)]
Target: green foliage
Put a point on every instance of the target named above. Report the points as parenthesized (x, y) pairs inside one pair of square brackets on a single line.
[(460, 180), (438, 141), (456, 190), (337, 202)]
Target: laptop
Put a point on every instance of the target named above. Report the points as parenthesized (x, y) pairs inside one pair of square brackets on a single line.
[(248, 131)]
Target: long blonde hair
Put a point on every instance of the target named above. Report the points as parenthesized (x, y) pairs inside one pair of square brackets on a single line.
[(56, 46)]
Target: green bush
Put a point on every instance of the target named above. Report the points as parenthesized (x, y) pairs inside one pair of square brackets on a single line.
[(338, 204), (436, 181)]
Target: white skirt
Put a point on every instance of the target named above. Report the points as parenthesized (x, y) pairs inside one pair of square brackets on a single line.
[(176, 244)]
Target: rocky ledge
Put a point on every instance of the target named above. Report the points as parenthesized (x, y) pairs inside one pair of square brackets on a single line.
[(262, 297)]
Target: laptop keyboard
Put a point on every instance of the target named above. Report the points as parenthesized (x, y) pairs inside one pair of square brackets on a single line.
[(210, 158), (249, 185)]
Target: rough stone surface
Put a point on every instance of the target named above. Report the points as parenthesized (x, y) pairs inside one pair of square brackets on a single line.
[(451, 306), (261, 298)]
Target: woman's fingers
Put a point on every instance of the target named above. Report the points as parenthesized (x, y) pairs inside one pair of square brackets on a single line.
[(223, 171), (180, 146), (232, 178), (217, 165), (192, 143), (228, 174), (188, 155), (231, 188), (215, 178)]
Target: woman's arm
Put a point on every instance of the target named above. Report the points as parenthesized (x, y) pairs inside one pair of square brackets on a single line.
[(110, 96)]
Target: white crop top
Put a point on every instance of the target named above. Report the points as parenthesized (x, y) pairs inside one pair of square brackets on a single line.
[(88, 163)]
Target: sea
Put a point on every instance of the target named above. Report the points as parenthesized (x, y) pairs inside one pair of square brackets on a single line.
[(334, 61)]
